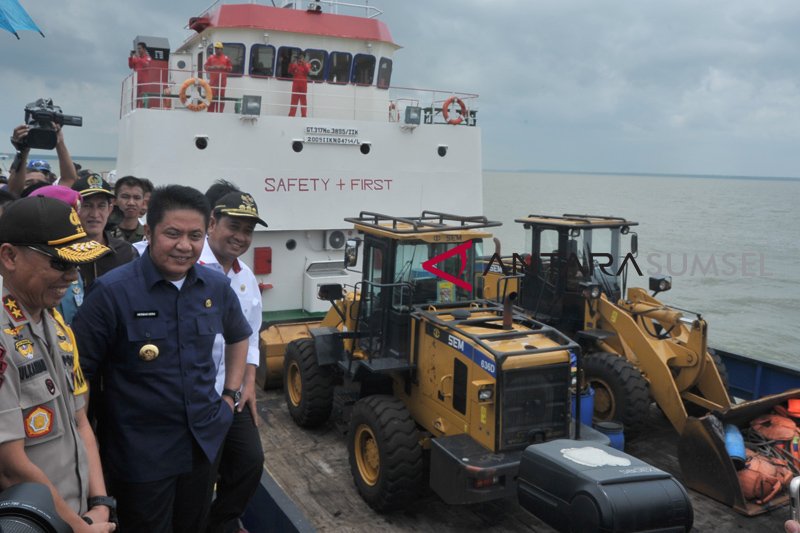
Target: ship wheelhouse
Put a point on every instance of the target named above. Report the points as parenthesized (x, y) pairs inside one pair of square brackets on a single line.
[(351, 59)]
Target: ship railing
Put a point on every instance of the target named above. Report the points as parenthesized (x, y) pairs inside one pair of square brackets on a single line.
[(159, 89)]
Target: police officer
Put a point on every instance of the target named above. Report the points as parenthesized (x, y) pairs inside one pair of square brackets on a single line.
[(148, 328), (97, 202), (45, 436), (230, 234)]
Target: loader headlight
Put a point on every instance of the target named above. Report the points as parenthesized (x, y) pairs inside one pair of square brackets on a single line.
[(660, 283), (485, 394), (590, 291)]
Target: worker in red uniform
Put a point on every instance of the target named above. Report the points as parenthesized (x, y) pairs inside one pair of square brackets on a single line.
[(299, 70), (138, 61), (218, 67)]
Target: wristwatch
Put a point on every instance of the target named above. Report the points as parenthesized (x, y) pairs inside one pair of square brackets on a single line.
[(234, 394), (108, 501)]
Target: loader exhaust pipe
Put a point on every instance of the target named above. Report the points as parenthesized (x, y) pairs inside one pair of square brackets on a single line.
[(508, 319)]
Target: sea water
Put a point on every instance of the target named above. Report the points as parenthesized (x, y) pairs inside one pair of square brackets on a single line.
[(731, 245)]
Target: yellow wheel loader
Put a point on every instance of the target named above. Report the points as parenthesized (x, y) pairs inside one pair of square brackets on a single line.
[(636, 347), (432, 375)]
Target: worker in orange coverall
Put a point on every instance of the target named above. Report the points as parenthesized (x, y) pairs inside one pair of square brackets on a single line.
[(299, 70), (218, 67), (138, 61)]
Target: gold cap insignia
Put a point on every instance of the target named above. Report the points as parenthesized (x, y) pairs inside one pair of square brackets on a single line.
[(148, 352)]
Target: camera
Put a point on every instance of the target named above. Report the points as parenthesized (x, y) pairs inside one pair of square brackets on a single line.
[(30, 507), (42, 116)]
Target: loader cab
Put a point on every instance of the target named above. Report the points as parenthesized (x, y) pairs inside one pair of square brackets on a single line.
[(411, 263), (566, 253)]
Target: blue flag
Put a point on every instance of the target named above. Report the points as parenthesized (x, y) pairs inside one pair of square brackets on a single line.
[(13, 17)]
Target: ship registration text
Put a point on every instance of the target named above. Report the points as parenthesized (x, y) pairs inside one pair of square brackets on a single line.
[(326, 184), (329, 135)]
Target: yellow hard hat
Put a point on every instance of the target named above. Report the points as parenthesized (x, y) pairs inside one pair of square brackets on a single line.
[(217, 44)]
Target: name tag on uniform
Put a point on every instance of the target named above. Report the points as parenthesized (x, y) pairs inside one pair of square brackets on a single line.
[(146, 314)]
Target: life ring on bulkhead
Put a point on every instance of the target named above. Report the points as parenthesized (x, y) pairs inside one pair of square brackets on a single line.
[(315, 66), (202, 102), (446, 110)]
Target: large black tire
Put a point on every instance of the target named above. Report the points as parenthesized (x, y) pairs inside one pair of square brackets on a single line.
[(621, 392), (385, 454), (307, 386)]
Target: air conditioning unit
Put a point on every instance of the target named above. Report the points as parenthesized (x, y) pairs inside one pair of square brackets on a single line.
[(337, 238)]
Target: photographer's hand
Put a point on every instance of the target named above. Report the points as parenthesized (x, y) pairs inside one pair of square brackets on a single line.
[(19, 138)]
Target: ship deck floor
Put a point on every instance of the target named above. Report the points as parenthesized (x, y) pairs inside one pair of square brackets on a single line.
[(312, 468)]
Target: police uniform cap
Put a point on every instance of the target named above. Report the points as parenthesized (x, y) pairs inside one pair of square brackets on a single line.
[(92, 184), (50, 226), (239, 204)]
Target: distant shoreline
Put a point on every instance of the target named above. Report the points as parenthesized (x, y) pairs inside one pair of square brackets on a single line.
[(52, 157), (644, 174)]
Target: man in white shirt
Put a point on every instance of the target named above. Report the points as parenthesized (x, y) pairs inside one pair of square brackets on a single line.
[(230, 233)]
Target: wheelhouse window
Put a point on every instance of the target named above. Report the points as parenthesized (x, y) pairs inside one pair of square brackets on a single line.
[(317, 60), (286, 54), (363, 69), (426, 287), (384, 73), (235, 52), (262, 60), (339, 67)]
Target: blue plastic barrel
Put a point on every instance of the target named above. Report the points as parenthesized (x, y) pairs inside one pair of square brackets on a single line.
[(587, 406), (614, 431), (734, 444)]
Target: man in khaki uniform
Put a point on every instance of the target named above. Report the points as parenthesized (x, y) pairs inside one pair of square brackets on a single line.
[(45, 436)]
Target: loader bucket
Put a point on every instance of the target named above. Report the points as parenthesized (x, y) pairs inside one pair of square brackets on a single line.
[(705, 464)]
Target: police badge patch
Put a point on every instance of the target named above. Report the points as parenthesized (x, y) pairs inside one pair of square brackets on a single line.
[(39, 422), (24, 348)]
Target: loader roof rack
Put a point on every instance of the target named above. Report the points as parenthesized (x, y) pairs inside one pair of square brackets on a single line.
[(488, 316), (429, 222), (576, 221)]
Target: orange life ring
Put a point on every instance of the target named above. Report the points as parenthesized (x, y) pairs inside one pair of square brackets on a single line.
[(202, 103), (446, 110)]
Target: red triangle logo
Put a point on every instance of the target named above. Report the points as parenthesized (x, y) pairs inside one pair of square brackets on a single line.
[(461, 252)]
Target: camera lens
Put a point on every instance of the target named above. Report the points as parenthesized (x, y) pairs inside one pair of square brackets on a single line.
[(201, 143)]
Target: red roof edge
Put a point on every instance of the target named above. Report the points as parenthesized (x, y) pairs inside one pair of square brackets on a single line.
[(293, 21)]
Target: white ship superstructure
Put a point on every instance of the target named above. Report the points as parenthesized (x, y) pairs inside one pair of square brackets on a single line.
[(364, 146)]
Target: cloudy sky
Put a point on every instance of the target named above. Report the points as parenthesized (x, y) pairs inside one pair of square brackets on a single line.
[(607, 86)]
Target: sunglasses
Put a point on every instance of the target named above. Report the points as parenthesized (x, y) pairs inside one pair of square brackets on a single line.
[(56, 264)]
